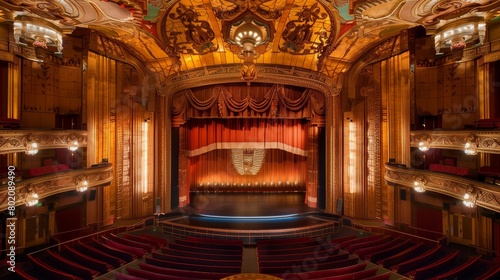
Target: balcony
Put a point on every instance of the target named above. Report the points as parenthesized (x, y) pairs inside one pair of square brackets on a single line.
[(488, 141), (51, 184), (13, 141), (487, 195)]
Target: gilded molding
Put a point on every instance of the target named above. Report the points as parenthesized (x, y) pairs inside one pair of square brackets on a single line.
[(56, 183), (12, 141), (451, 185), (273, 74), (488, 140)]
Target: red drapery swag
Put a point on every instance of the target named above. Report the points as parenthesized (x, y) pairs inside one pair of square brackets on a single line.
[(256, 101)]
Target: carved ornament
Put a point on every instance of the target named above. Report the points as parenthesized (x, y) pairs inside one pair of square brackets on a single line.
[(12, 141), (451, 185), (488, 140), (56, 183), (272, 74)]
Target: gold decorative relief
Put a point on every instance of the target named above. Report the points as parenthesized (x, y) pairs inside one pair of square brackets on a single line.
[(298, 35), (15, 140), (487, 141), (454, 186), (197, 35), (55, 183)]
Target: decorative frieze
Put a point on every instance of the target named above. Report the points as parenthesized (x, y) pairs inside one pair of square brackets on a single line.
[(488, 140), (55, 183), (12, 141), (272, 74), (488, 195)]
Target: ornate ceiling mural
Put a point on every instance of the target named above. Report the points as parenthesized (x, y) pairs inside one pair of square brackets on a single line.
[(173, 36)]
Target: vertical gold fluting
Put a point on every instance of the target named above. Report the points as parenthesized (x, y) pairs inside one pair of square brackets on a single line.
[(373, 161), (13, 101), (483, 96), (395, 89), (312, 178), (331, 151), (183, 161), (162, 152), (101, 92)]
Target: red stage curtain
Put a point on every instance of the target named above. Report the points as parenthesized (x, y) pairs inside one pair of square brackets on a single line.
[(213, 134), (246, 153)]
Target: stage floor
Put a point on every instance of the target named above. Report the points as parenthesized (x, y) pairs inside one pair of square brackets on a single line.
[(249, 211), (250, 204)]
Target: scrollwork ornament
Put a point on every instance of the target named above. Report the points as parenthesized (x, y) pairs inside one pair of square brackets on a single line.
[(198, 32)]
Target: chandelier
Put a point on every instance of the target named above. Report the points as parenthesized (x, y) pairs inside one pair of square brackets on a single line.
[(38, 32), (248, 38)]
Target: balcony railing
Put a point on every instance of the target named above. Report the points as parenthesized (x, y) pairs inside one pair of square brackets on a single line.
[(488, 141), (487, 195), (14, 193), (12, 141)]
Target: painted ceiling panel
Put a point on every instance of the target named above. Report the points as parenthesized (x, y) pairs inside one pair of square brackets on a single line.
[(179, 35)]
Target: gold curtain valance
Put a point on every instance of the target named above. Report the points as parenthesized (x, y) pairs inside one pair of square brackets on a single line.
[(275, 101)]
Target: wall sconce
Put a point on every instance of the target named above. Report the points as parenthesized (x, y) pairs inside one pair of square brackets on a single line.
[(419, 185), (471, 145), (73, 145), (31, 196), (470, 197), (31, 145), (82, 185), (424, 144)]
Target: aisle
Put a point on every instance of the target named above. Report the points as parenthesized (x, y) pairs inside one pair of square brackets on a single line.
[(250, 263)]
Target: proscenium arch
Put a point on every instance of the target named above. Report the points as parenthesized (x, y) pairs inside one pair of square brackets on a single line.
[(272, 74), (280, 76)]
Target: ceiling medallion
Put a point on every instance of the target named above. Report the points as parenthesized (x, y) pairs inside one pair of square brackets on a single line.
[(248, 37), (198, 33)]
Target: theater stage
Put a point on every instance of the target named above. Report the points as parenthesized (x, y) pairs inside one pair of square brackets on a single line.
[(249, 216)]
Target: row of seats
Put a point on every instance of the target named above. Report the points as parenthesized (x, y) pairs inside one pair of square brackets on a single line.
[(306, 258), (190, 258), (88, 259)]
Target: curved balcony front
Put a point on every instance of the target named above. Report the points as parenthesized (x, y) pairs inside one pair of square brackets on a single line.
[(13, 141), (488, 141), (16, 192), (487, 194)]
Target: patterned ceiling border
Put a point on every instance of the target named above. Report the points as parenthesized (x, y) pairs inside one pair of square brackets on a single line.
[(273, 74), (450, 185)]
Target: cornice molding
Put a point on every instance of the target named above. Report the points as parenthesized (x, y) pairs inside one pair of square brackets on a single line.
[(56, 183), (273, 74), (13, 141), (450, 185), (488, 140)]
